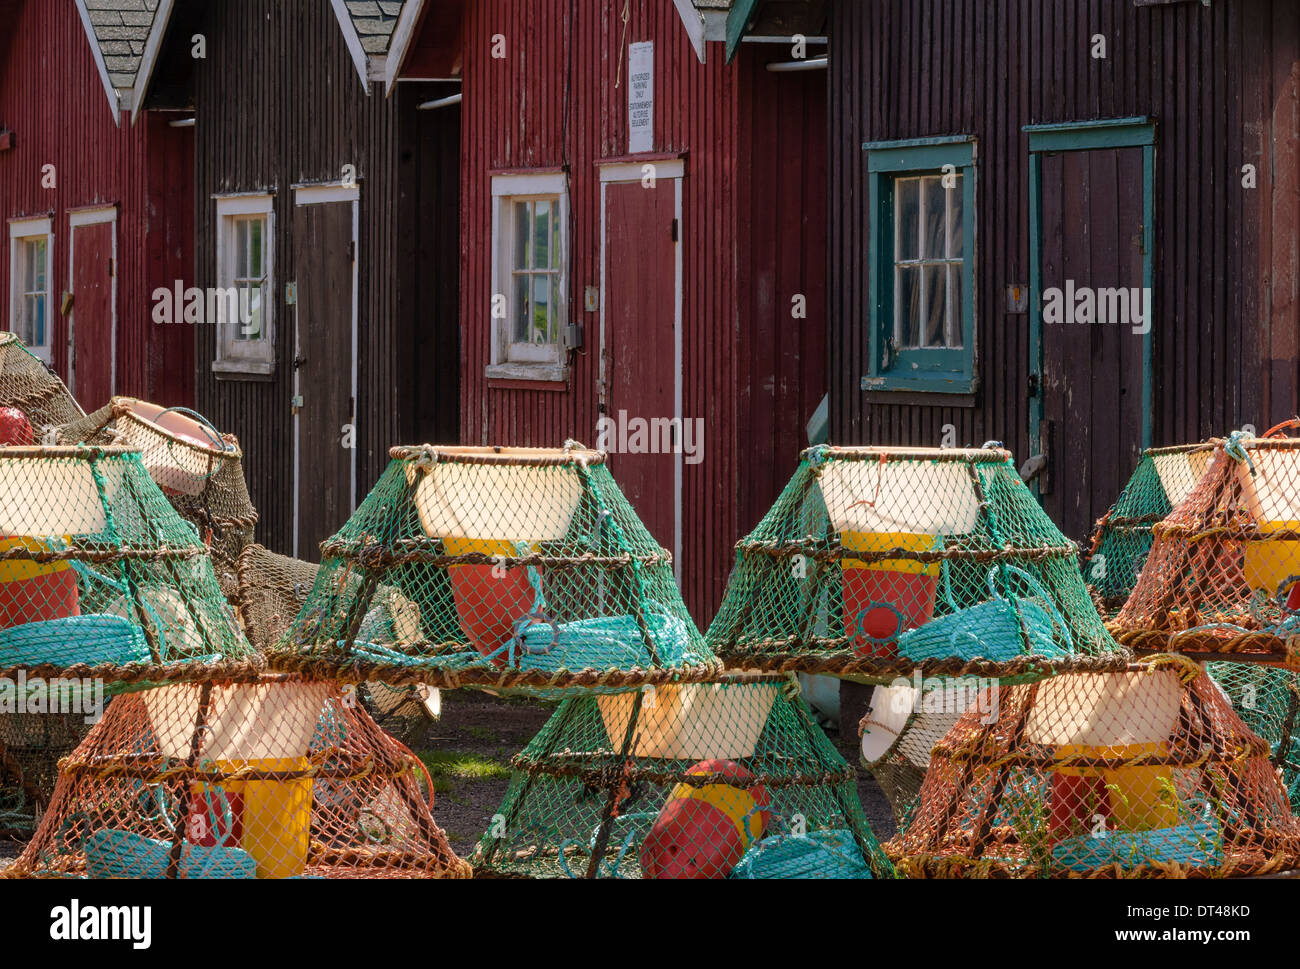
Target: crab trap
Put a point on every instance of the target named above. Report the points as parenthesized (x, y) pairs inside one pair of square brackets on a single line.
[(1122, 539), (34, 402), (514, 569), (260, 777), (728, 779), (1145, 773), (876, 562), (198, 468), (1222, 579)]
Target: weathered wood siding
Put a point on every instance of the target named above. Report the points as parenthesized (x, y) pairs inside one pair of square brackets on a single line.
[(752, 237), (279, 103), (1221, 83), (52, 98)]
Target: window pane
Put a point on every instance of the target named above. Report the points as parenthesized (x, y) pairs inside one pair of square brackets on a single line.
[(520, 308), (37, 328), (935, 290), (241, 248), (953, 337), (541, 332), (522, 234), (542, 236), (907, 215), (933, 207), (255, 255), (956, 221), (907, 305)]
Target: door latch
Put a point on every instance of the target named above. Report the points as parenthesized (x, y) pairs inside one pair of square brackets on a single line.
[(297, 404)]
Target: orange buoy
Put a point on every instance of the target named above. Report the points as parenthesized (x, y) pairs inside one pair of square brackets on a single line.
[(704, 831), (15, 429)]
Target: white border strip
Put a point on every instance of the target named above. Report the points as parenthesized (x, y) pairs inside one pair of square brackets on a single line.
[(145, 73), (114, 103), (353, 40)]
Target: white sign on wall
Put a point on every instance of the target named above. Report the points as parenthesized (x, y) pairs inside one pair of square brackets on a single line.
[(641, 97)]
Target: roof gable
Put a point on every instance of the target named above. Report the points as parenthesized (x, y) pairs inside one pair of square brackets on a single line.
[(369, 27), (125, 36)]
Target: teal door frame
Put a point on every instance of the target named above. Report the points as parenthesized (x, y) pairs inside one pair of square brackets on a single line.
[(1139, 132)]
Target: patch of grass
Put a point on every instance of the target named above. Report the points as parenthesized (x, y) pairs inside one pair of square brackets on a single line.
[(447, 766)]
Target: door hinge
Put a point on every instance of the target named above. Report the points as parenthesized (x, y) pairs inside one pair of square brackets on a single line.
[(352, 250), (1031, 388), (112, 267), (675, 232)]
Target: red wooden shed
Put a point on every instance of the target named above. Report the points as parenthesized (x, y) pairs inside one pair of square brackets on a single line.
[(644, 256), (96, 191)]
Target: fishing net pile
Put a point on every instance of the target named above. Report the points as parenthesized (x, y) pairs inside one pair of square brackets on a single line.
[(199, 469), (731, 779), (34, 391), (519, 569), (30, 747), (1143, 773), (1122, 539), (1222, 578), (273, 777), (877, 562)]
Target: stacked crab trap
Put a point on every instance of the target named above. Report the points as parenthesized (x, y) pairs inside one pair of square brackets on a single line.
[(1146, 773), (728, 779), (1122, 539), (1221, 583), (927, 572), (102, 587), (198, 468), (33, 400), (512, 569)]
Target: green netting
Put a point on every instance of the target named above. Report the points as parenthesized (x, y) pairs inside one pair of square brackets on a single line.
[(99, 577), (31, 387), (875, 562), (1268, 701), (513, 568), (1145, 773), (199, 469), (707, 780), (1122, 539)]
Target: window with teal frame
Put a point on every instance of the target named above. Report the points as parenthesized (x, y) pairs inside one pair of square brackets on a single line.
[(922, 265)]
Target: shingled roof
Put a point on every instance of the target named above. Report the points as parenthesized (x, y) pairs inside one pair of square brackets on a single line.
[(125, 36), (374, 29)]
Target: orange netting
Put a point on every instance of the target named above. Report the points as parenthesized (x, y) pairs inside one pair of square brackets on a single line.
[(1223, 575), (1143, 773), (277, 777)]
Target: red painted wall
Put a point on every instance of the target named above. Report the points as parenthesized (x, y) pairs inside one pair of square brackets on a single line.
[(52, 98), (750, 372)]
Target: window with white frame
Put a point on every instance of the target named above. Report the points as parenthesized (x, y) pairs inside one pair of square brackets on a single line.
[(245, 300), (31, 311), (529, 276)]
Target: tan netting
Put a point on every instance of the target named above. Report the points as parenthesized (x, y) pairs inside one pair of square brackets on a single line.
[(29, 386), (1122, 540), (274, 778), (732, 779), (520, 569), (199, 469), (1223, 574), (1142, 773), (875, 562), (271, 589)]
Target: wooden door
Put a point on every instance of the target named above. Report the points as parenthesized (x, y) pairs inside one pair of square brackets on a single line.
[(92, 324), (324, 252), (1092, 370), (640, 313)]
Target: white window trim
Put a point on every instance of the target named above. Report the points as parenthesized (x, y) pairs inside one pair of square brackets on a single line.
[(21, 230), (229, 359), (551, 365)]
